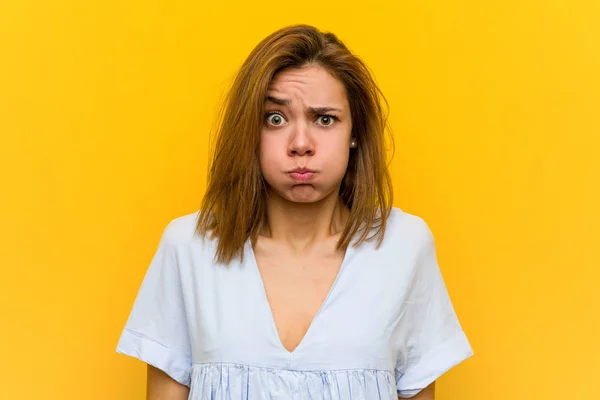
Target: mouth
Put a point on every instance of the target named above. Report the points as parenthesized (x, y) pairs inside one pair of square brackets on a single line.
[(302, 174)]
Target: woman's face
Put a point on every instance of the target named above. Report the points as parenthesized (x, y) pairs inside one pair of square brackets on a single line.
[(306, 135)]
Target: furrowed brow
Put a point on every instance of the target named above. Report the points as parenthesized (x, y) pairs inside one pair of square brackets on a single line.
[(321, 110), (281, 102)]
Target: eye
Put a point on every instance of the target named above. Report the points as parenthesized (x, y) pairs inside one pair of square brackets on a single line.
[(275, 119), (326, 120)]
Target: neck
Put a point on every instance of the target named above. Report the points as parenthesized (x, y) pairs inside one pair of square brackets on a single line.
[(300, 225)]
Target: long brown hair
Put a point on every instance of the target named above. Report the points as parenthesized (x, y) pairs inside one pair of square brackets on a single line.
[(234, 205)]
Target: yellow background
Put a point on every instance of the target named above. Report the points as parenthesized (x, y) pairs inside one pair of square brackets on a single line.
[(105, 109)]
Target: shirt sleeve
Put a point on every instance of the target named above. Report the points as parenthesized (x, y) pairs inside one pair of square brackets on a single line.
[(433, 341), (156, 331)]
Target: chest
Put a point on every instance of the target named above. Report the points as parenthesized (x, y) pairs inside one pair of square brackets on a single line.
[(296, 288), (308, 312)]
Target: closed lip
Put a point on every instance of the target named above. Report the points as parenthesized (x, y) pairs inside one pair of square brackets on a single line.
[(302, 174), (302, 171)]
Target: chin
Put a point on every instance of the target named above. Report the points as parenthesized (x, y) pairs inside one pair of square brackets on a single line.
[(302, 194)]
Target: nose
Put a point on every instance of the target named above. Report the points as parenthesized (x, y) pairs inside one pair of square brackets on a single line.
[(301, 142)]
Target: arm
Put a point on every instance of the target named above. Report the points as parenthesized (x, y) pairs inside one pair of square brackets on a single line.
[(161, 386), (426, 394)]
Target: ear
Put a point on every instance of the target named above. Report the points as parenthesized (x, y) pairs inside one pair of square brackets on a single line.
[(353, 142)]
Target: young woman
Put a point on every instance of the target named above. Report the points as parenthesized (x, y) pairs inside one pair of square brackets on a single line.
[(296, 279)]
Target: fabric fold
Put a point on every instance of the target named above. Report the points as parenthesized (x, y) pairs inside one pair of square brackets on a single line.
[(222, 381), (136, 345)]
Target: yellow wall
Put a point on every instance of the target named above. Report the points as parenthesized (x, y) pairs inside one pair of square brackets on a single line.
[(105, 108)]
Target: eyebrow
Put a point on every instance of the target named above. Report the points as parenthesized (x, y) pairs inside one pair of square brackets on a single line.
[(311, 110), (322, 110), (280, 102)]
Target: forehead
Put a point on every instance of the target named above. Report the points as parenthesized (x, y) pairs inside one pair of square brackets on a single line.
[(309, 84)]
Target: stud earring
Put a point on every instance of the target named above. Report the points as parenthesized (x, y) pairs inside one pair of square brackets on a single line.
[(353, 143)]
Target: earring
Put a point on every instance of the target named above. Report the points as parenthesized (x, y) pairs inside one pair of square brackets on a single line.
[(353, 143)]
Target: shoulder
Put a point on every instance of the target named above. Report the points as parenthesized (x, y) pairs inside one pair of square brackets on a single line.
[(182, 230), (407, 238), (191, 250), (408, 249), (405, 228)]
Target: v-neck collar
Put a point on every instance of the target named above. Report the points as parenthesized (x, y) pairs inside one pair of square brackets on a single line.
[(269, 310)]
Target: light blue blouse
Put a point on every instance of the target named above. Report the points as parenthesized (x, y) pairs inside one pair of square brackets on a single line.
[(387, 328)]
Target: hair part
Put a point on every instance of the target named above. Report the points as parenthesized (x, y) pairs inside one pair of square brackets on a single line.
[(234, 206)]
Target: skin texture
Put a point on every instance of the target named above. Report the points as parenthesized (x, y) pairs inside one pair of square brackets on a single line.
[(160, 386), (426, 394), (294, 135), (308, 124)]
